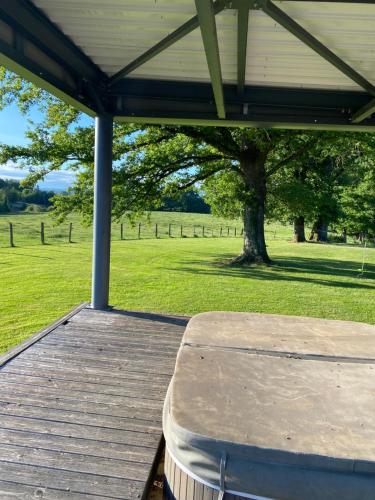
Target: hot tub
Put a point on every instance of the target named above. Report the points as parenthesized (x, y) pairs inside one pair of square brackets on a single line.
[(268, 406)]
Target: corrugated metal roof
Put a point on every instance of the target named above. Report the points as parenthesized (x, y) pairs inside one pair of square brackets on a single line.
[(115, 32), (276, 56)]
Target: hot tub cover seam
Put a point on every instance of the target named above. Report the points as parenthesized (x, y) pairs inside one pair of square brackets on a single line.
[(282, 354)]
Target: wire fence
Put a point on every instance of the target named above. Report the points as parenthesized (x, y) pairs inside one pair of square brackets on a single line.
[(26, 231)]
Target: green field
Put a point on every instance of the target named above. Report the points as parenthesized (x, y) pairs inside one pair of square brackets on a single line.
[(26, 228), (181, 275)]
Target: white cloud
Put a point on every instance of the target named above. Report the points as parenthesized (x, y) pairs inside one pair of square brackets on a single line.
[(11, 171), (55, 181)]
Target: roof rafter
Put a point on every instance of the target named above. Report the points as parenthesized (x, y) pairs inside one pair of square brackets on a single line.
[(166, 42), (299, 32), (242, 29), (206, 17), (364, 112)]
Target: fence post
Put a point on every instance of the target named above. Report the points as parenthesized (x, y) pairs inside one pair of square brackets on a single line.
[(221, 231), (70, 232), (11, 242), (182, 231), (203, 231), (139, 230), (228, 231), (42, 232), (169, 230), (156, 230), (235, 232), (121, 231)]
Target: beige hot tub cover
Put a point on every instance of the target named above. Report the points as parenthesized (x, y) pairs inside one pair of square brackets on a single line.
[(286, 404)]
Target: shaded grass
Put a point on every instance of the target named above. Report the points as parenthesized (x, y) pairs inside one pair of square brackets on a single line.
[(184, 276)]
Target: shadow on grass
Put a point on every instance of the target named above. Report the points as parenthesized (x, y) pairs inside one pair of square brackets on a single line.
[(11, 253), (297, 269)]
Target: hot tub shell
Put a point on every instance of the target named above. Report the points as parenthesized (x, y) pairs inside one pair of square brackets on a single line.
[(268, 406)]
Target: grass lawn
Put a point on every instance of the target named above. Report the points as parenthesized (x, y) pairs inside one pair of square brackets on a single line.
[(185, 276)]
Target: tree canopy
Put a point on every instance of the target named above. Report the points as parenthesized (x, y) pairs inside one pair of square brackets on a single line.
[(244, 171)]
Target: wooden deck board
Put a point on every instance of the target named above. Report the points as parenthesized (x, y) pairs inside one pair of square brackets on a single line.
[(81, 405)]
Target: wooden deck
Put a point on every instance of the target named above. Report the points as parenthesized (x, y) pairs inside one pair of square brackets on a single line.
[(81, 405)]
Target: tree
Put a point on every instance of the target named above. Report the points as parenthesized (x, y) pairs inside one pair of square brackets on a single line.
[(305, 193), (332, 185), (14, 192), (189, 201), (357, 198), (153, 162), (292, 201), (4, 207), (325, 189)]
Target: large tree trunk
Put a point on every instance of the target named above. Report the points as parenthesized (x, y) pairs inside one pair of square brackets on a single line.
[(319, 231), (252, 166), (299, 229)]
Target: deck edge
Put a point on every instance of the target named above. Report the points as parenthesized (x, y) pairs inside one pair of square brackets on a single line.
[(33, 339)]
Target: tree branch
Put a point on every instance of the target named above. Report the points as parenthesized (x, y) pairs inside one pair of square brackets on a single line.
[(200, 178), (222, 144), (186, 162), (291, 157), (141, 145)]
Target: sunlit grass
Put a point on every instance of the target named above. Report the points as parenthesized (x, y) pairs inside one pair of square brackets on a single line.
[(185, 276)]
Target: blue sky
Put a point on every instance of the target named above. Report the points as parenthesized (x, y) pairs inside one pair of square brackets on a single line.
[(12, 131)]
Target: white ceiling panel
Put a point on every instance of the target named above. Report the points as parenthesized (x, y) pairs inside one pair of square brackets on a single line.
[(226, 23), (185, 60), (119, 29), (347, 29), (275, 56), (115, 32)]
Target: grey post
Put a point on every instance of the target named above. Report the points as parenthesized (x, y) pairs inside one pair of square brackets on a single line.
[(102, 212)]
